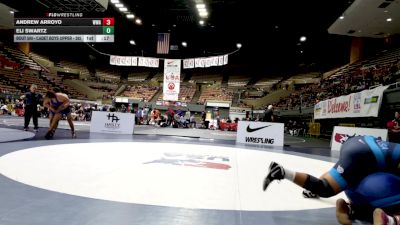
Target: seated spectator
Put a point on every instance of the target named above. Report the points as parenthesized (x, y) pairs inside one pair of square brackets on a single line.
[(394, 128)]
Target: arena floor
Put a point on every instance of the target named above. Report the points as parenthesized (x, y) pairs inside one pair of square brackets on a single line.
[(156, 176)]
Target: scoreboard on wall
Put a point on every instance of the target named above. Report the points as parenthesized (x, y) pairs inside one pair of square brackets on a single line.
[(63, 27)]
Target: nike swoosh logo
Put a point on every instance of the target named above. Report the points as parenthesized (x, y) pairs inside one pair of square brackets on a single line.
[(255, 129)]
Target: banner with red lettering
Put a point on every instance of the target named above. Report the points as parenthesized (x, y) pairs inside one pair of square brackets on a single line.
[(361, 104), (172, 78)]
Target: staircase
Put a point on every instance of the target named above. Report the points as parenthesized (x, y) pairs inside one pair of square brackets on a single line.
[(196, 97)]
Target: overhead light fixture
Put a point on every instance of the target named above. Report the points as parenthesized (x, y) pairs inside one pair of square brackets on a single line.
[(114, 1), (301, 51), (119, 5), (184, 44), (238, 45), (202, 10), (138, 21), (201, 22), (203, 14), (132, 42), (385, 11), (341, 17), (200, 6), (153, 25), (174, 25), (124, 9), (303, 38), (12, 12), (389, 20), (130, 16)]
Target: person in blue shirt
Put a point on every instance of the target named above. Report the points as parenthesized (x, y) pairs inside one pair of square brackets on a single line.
[(368, 171)]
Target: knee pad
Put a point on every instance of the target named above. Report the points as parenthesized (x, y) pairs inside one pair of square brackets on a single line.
[(320, 187)]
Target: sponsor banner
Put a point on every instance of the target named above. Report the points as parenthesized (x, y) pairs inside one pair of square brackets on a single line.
[(112, 122), (188, 63), (260, 133), (134, 61), (220, 60), (225, 59), (120, 60), (362, 104), (172, 77), (341, 134)]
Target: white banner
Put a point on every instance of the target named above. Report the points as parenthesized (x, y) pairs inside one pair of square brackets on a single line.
[(260, 133), (341, 134), (208, 62), (120, 60), (225, 59), (361, 104), (134, 61), (112, 122), (220, 60), (172, 77), (188, 63)]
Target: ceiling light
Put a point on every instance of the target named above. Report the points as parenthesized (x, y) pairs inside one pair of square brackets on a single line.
[(184, 44), (385, 11), (115, 1), (200, 6), (203, 14), (174, 25), (12, 12), (119, 5), (201, 22), (238, 45), (389, 20), (130, 16), (132, 42), (153, 25), (202, 10), (303, 38), (341, 17), (301, 51), (138, 21), (124, 9)]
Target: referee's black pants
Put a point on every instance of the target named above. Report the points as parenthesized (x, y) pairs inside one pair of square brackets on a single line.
[(31, 111)]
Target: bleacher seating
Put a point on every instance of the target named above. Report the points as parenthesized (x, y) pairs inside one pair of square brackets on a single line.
[(141, 91), (216, 93), (238, 81), (23, 59)]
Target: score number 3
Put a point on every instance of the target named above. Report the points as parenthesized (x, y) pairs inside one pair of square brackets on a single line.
[(108, 21)]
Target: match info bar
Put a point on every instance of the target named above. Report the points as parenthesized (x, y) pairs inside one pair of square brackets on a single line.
[(64, 38)]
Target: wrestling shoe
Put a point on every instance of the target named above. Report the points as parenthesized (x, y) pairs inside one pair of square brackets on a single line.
[(276, 172), (381, 218), (49, 134), (73, 133), (309, 194)]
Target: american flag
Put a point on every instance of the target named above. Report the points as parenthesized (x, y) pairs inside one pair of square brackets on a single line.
[(163, 43)]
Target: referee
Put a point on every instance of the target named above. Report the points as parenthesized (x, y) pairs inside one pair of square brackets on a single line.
[(32, 99)]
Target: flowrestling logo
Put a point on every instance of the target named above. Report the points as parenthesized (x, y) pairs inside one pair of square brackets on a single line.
[(203, 161), (250, 130)]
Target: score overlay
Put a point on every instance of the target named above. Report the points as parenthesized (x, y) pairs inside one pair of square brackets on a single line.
[(64, 30)]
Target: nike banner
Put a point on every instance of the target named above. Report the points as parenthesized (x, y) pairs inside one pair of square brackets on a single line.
[(260, 133)]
